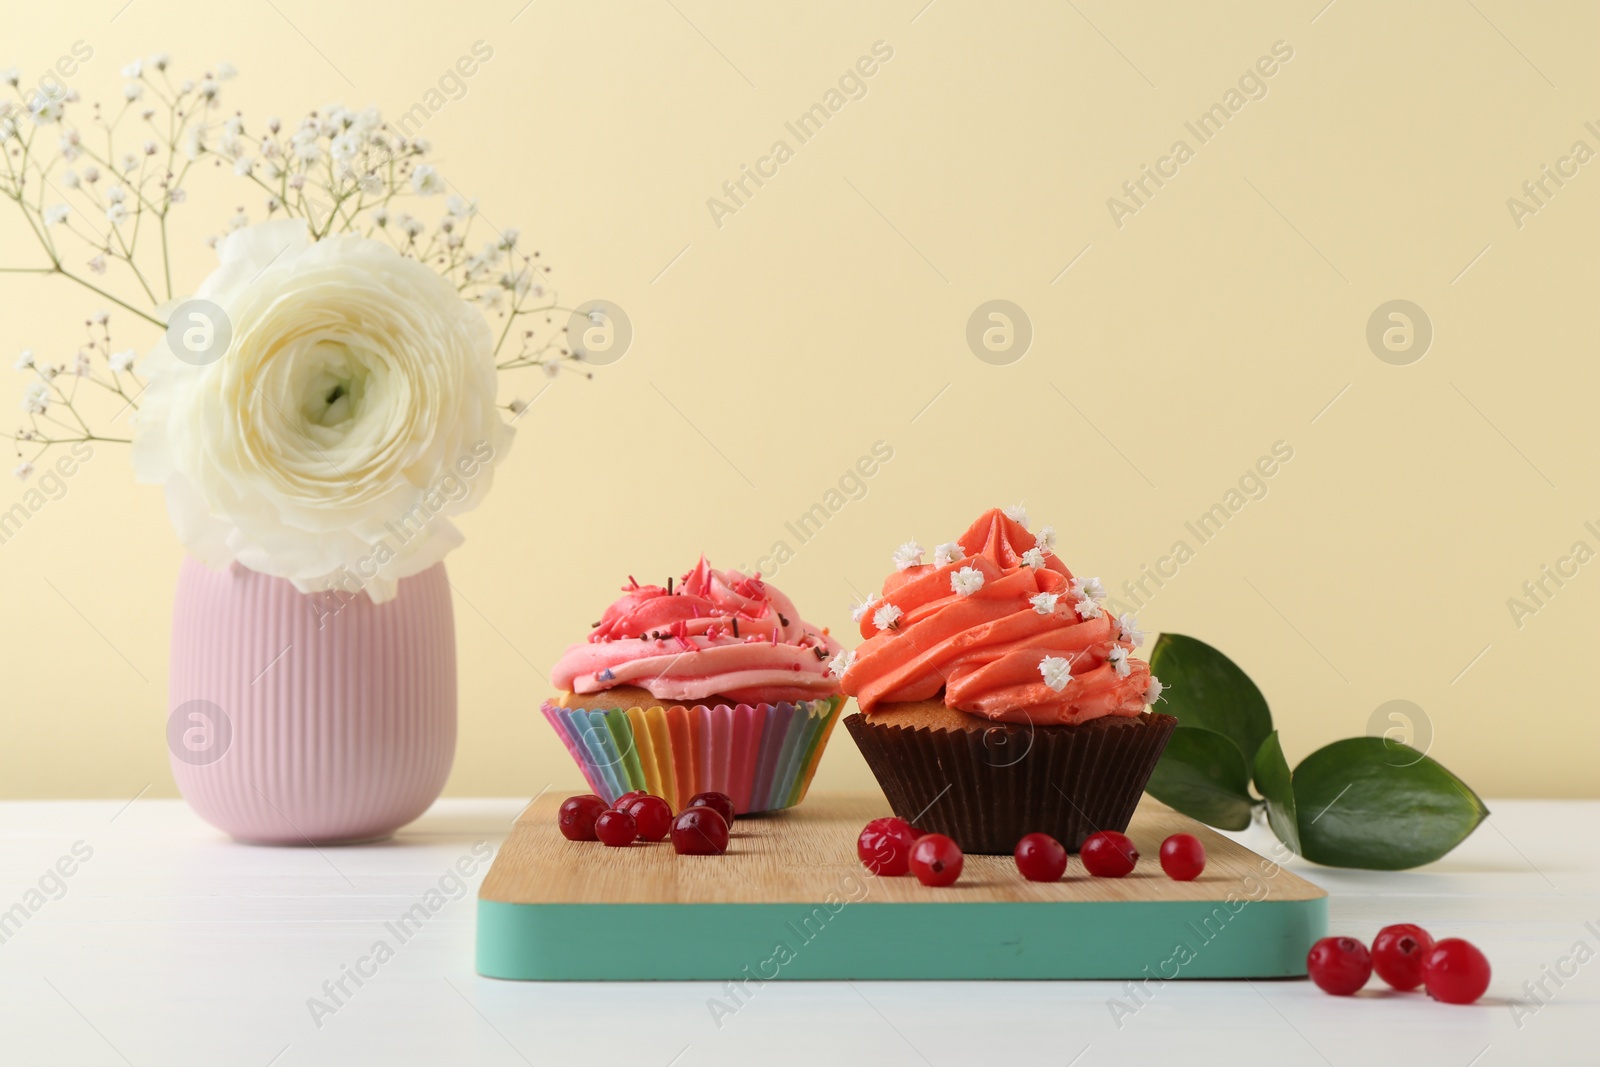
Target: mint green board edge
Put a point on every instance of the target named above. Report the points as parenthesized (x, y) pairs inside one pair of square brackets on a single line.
[(716, 942)]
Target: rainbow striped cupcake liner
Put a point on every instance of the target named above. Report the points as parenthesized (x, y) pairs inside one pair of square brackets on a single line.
[(763, 755)]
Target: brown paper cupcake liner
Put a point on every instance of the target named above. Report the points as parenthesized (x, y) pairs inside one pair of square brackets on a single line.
[(988, 786)]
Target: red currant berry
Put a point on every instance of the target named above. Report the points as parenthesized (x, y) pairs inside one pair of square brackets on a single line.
[(577, 815), (884, 846), (615, 828), (1108, 854), (652, 815), (1183, 857), (700, 831), (1398, 952), (1455, 972), (722, 803), (936, 860), (622, 802), (1040, 858), (1339, 965)]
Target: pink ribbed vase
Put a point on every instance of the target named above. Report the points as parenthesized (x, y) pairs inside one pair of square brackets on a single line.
[(310, 719)]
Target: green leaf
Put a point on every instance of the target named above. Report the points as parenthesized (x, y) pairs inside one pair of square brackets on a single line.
[(1203, 775), (1363, 802), (1274, 783), (1208, 690)]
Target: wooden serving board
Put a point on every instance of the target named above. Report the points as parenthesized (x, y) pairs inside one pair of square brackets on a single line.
[(790, 900)]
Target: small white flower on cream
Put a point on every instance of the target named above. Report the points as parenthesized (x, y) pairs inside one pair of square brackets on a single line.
[(1046, 540), (25, 361), (907, 555), (1088, 587), (1118, 658), (966, 581), (859, 612), (947, 553), (56, 214), (1128, 630), (22, 470), (1044, 603), (886, 617), (425, 180), (1056, 672), (117, 214), (1153, 691), (123, 361), (1088, 609), (841, 663), (1033, 558), (36, 398), (1018, 514)]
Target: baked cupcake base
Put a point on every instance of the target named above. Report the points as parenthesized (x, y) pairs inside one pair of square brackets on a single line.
[(761, 755), (985, 784)]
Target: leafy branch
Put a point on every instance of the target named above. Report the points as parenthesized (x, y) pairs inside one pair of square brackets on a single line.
[(1367, 802)]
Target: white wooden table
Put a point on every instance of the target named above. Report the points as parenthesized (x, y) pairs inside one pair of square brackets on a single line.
[(169, 945)]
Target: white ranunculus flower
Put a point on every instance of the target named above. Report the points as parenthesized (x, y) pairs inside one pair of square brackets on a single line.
[(352, 412)]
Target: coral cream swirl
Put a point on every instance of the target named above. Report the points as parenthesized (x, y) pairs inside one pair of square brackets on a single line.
[(1003, 628), (716, 634)]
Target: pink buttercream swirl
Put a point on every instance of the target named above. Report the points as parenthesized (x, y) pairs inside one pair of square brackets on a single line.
[(714, 633)]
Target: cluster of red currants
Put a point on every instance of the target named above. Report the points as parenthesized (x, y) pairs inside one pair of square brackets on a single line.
[(1406, 956), (892, 846), (701, 829)]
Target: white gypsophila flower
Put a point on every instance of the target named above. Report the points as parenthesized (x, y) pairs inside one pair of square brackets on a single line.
[(98, 264), (344, 147), (101, 317), (82, 367), (841, 663), (1056, 672), (1089, 588), (11, 76), (1033, 559), (22, 470), (297, 449), (25, 361), (859, 612), (134, 69), (493, 299), (1046, 539), (123, 361), (209, 89), (1044, 603), (160, 60), (907, 555), (8, 128), (177, 196), (426, 180), (91, 174), (460, 206), (239, 221), (132, 91), (46, 110), (552, 369), (227, 71), (36, 398), (1017, 514), (1118, 658), (243, 166), (70, 179), (1128, 630), (1089, 609), (56, 214), (117, 214), (947, 553), (886, 617), (1153, 691), (116, 194), (966, 581)]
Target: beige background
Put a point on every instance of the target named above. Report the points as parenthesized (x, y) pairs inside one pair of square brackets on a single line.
[(829, 313)]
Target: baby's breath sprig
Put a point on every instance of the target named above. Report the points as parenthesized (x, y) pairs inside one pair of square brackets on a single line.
[(345, 171), (98, 193)]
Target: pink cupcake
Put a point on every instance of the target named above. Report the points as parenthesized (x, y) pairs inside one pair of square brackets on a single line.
[(713, 682)]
